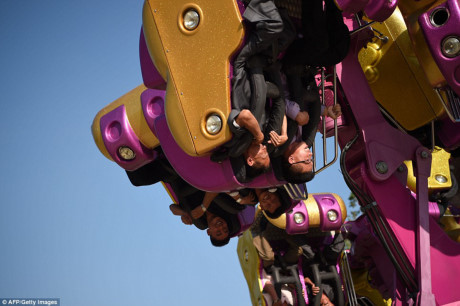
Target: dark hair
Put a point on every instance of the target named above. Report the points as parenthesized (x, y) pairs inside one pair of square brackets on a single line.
[(219, 243), (252, 171), (285, 202), (292, 174), (278, 212)]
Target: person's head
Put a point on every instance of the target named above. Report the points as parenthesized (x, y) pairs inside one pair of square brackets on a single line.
[(325, 301), (269, 201), (219, 243), (298, 163), (256, 157), (217, 228), (274, 201)]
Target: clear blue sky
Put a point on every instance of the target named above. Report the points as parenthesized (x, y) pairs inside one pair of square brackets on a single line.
[(71, 225)]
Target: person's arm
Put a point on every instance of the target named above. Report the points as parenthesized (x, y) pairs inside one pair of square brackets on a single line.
[(302, 118), (279, 140), (293, 112), (247, 120), (198, 211), (246, 200), (270, 289), (184, 216), (284, 127), (314, 289)]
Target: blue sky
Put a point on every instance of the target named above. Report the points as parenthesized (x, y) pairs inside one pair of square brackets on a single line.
[(71, 225)]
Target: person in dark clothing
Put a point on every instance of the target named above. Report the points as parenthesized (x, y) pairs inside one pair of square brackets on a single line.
[(217, 226), (325, 39), (192, 203), (255, 124), (246, 150), (249, 90), (273, 201), (304, 111)]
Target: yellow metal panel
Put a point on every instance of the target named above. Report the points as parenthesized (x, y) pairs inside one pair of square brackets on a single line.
[(250, 263), (363, 288), (278, 222), (439, 166), (411, 100), (198, 65), (152, 38), (451, 226), (314, 218), (132, 103), (177, 121)]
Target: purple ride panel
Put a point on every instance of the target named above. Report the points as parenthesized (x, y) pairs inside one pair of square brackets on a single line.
[(434, 35), (116, 132)]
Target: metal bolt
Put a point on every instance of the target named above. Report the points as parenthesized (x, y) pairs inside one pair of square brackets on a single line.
[(424, 154), (441, 178), (194, 137), (381, 167), (401, 168), (167, 50), (181, 93), (154, 11)]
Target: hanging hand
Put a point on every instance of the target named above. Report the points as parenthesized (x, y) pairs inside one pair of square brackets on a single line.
[(197, 212), (277, 140)]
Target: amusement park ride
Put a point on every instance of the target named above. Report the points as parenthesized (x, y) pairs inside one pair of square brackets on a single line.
[(398, 85)]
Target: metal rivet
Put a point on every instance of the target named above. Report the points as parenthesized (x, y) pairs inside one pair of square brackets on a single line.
[(440, 178), (381, 167), (154, 11), (401, 168), (194, 137), (181, 93), (424, 154), (167, 50)]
